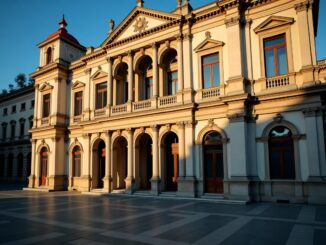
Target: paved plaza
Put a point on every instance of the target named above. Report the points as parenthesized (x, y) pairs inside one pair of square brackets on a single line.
[(71, 218)]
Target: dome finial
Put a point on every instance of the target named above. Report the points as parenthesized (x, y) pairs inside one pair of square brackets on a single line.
[(63, 22), (140, 3)]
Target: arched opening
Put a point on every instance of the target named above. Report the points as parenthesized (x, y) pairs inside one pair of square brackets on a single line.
[(281, 153), (144, 162), (171, 161), (29, 164), (213, 162), (48, 55), (10, 165), (145, 78), (44, 166), (98, 170), (20, 165), (119, 173), (121, 77), (76, 162), (170, 72), (2, 165)]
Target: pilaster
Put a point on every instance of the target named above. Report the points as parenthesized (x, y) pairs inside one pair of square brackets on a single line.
[(130, 172), (155, 180)]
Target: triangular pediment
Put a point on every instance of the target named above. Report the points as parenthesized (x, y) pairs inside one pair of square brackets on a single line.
[(208, 43), (78, 84), (99, 74), (272, 22), (45, 87), (139, 21)]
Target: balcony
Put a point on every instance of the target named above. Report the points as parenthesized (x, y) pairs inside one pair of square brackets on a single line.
[(143, 105), (278, 81), (119, 109), (209, 94), (167, 101)]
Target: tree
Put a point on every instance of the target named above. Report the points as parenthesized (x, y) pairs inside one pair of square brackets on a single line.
[(4, 91), (20, 80), (11, 88), (31, 81)]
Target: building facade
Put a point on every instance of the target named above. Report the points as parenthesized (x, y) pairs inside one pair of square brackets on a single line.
[(16, 110), (227, 100)]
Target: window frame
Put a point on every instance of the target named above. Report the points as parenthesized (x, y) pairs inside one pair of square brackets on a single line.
[(80, 103), (44, 102), (74, 154), (270, 33), (211, 66), (104, 102)]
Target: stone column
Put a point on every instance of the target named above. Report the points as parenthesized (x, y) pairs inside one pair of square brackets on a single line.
[(155, 71), (155, 181), (181, 136), (180, 62), (188, 72), (86, 170), (37, 105), (108, 172), (87, 95), (314, 161), (235, 80), (130, 178), (130, 76), (109, 85), (31, 178)]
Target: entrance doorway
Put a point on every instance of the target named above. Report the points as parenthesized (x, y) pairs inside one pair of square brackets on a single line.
[(44, 166), (145, 161), (119, 173), (99, 164), (171, 146), (213, 163)]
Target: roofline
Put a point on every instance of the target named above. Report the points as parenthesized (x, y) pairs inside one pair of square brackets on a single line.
[(20, 92)]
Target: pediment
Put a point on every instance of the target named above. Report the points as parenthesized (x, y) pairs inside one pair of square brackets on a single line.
[(140, 20), (99, 74), (45, 87), (272, 22), (208, 43), (78, 84)]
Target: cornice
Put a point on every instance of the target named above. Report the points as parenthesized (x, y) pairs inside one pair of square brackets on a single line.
[(46, 69)]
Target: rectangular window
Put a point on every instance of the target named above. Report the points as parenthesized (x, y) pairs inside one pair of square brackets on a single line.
[(172, 82), (211, 70), (22, 106), (46, 105), (275, 56), (13, 109), (101, 95), (5, 111), (149, 87), (32, 104), (78, 103), (13, 131), (4, 132), (22, 129)]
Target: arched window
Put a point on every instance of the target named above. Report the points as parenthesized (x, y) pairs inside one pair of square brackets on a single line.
[(20, 167), (76, 161), (48, 55), (44, 166), (10, 165), (281, 153), (121, 84), (145, 72), (170, 76)]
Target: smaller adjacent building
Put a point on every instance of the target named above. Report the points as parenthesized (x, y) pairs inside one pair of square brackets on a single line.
[(16, 118)]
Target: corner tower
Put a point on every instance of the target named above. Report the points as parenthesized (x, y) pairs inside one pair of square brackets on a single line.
[(57, 51)]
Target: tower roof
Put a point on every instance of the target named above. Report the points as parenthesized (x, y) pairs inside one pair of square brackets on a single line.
[(62, 33)]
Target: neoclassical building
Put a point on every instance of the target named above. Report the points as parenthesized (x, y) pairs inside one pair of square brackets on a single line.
[(16, 118), (224, 101)]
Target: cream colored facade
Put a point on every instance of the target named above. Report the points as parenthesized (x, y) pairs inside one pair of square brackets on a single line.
[(125, 145)]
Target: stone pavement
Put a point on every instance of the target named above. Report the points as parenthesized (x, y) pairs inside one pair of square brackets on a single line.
[(72, 218)]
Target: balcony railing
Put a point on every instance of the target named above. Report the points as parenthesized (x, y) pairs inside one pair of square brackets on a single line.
[(167, 100), (45, 120), (77, 119), (210, 92), (142, 105), (119, 109), (99, 112), (278, 81)]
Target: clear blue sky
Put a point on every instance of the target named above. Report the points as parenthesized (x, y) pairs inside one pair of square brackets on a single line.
[(25, 23)]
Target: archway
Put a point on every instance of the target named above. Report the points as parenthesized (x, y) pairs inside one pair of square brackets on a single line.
[(145, 77), (281, 153), (43, 166), (29, 164), (2, 165), (170, 72), (171, 161), (144, 162), (119, 173), (20, 165), (121, 84), (98, 168), (10, 166), (213, 162)]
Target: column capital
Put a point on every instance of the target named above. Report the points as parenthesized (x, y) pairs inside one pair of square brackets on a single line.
[(236, 117), (190, 124), (154, 127), (109, 59), (303, 6), (130, 53), (87, 135), (179, 37), (33, 141), (188, 36), (155, 45), (129, 130), (180, 125), (232, 21), (88, 71)]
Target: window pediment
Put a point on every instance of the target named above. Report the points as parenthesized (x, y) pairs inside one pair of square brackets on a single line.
[(45, 87), (272, 22), (99, 74), (208, 44), (78, 84)]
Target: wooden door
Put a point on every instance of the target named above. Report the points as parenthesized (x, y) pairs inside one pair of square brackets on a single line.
[(44, 168), (172, 163)]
